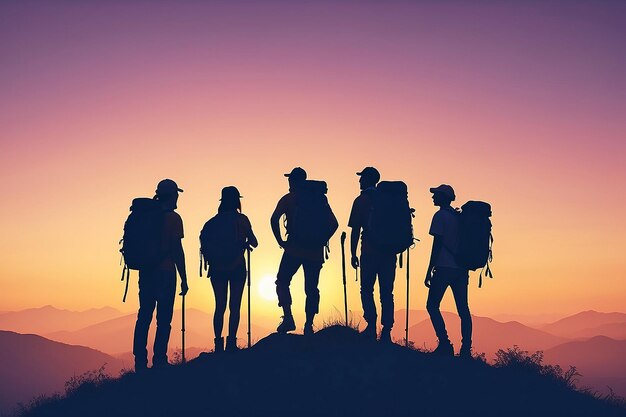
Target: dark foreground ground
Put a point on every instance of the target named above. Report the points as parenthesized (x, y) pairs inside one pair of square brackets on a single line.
[(333, 373)]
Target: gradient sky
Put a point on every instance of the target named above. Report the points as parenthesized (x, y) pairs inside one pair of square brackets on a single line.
[(519, 104)]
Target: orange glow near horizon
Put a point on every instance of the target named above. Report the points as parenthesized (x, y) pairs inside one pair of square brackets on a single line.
[(90, 122)]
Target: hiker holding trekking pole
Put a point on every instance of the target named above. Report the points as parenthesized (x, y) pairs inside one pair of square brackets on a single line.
[(310, 223), (381, 216), (223, 241), (152, 244), (445, 271)]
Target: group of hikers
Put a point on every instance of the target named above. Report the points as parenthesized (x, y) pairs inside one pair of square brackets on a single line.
[(380, 218)]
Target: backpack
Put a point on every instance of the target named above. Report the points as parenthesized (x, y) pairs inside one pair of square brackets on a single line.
[(390, 223), (142, 241), (475, 237), (310, 223), (143, 230), (222, 241)]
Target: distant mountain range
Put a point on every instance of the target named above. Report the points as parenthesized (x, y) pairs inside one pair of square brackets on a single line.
[(590, 323), (331, 373), (49, 319), (488, 335), (32, 365), (569, 341), (115, 336)]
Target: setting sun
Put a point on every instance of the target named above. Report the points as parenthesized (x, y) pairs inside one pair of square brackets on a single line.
[(267, 287)]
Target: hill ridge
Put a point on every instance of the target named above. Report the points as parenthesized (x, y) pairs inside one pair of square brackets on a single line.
[(332, 373)]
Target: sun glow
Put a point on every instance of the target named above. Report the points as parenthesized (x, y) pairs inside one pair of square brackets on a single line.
[(267, 287)]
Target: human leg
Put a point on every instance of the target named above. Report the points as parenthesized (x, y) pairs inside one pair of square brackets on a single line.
[(165, 310), (386, 277), (438, 286), (312, 271), (147, 303), (237, 283), (368, 279), (219, 284), (289, 265), (459, 287)]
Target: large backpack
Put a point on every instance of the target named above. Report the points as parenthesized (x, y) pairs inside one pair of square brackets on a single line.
[(222, 241), (142, 242), (390, 222), (142, 246), (310, 222), (475, 237)]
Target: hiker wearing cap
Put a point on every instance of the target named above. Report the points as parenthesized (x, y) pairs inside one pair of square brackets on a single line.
[(310, 223), (444, 271), (224, 239), (157, 285), (373, 262)]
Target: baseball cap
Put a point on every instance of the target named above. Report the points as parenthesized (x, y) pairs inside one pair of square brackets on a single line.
[(167, 186), (297, 174), (370, 172), (230, 192), (444, 189)]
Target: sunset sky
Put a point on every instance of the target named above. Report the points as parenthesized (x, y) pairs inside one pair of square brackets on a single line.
[(521, 104)]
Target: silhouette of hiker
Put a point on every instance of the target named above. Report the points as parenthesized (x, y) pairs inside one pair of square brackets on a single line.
[(308, 213), (444, 271), (373, 262), (157, 285), (224, 238)]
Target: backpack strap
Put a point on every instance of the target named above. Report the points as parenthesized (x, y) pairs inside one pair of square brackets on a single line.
[(127, 279), (487, 267), (200, 263)]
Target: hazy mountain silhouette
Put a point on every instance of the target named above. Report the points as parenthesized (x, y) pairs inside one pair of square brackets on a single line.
[(31, 365), (489, 335), (613, 330), (331, 373), (50, 319), (115, 336), (600, 360), (580, 322)]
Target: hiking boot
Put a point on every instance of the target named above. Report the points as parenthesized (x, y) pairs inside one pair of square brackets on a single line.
[(219, 344), (444, 349), (308, 329), (369, 332), (286, 325), (465, 352), (231, 344), (385, 335)]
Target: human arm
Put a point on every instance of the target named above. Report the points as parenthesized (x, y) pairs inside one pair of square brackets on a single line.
[(251, 238), (178, 256), (275, 222), (434, 254), (354, 243)]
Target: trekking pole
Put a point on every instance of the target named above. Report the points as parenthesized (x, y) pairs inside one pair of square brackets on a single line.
[(408, 263), (343, 268), (249, 278), (183, 330)]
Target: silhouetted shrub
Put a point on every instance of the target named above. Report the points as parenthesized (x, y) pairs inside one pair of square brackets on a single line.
[(88, 380), (516, 358)]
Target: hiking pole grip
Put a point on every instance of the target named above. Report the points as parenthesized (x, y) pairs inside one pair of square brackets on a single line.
[(343, 270), (249, 307), (183, 330), (407, 297)]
